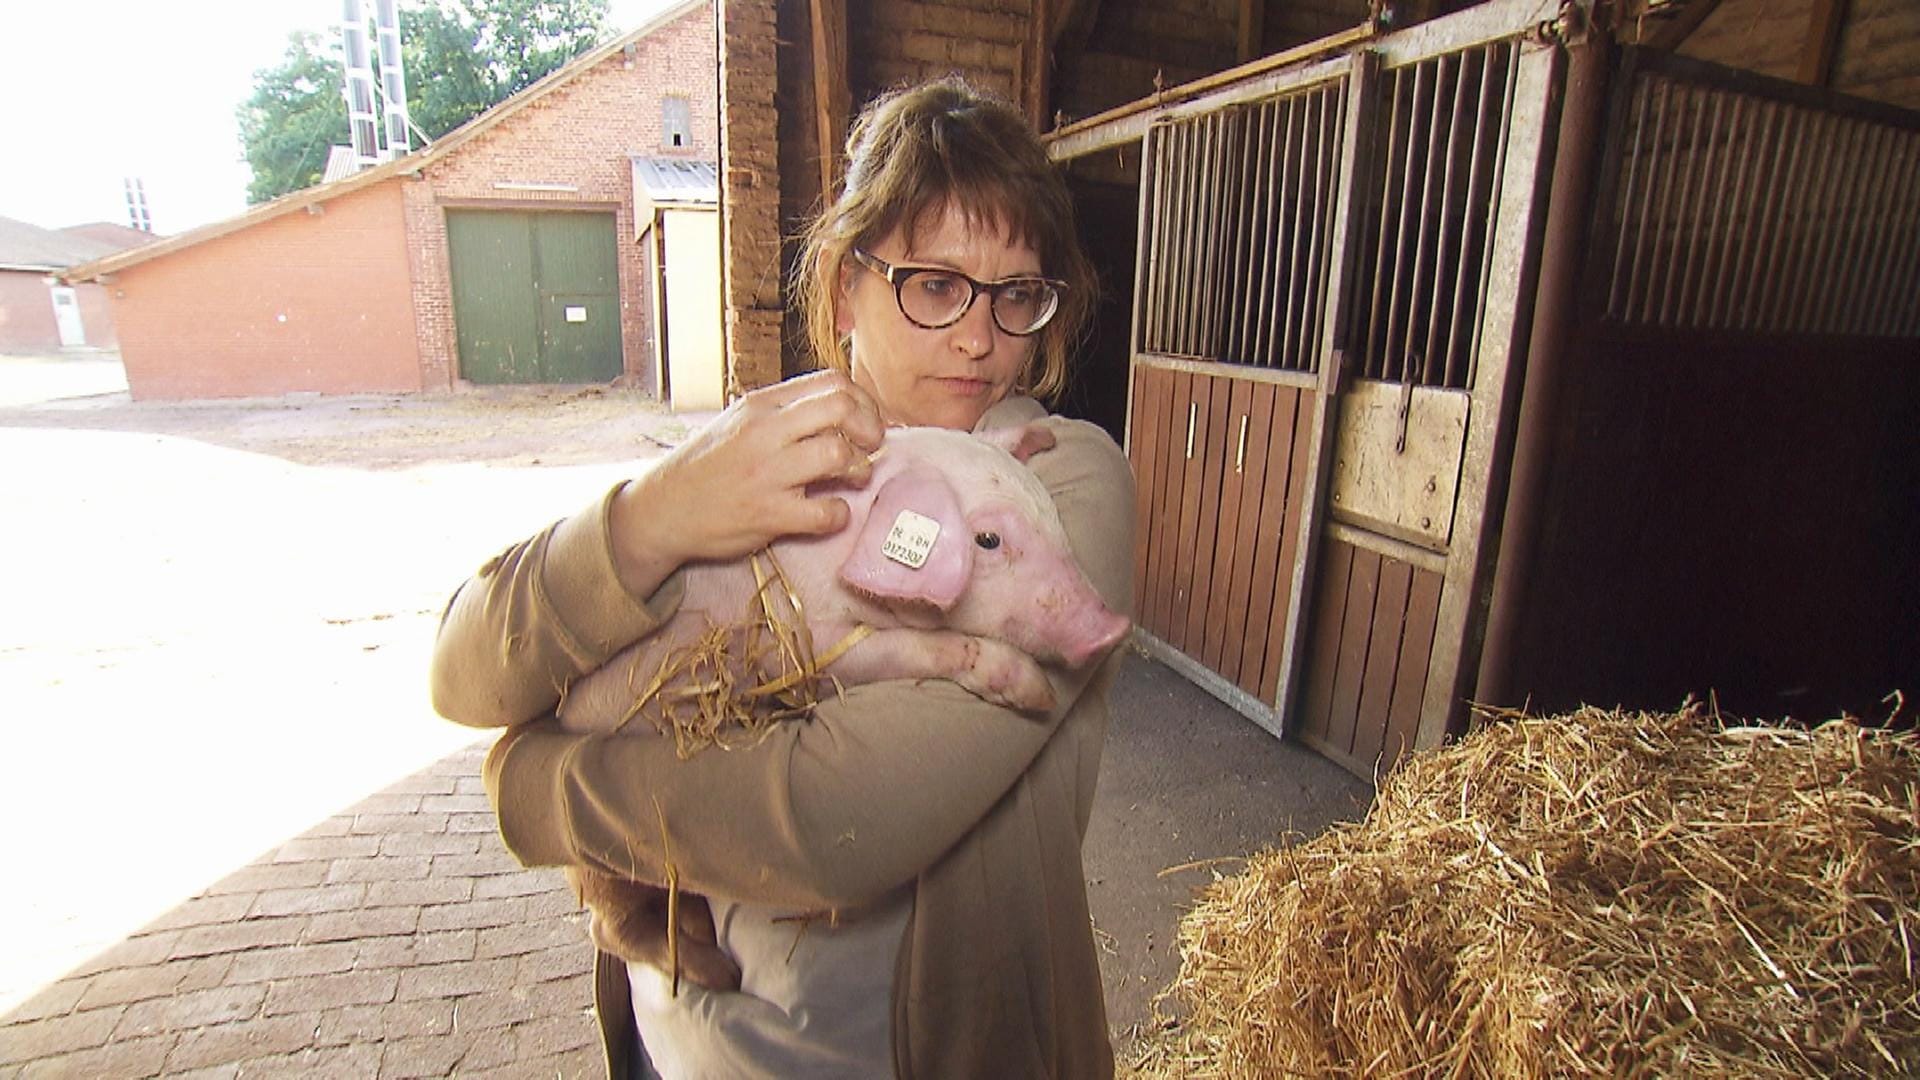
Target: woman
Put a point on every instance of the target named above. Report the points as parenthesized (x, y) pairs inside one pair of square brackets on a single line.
[(943, 288)]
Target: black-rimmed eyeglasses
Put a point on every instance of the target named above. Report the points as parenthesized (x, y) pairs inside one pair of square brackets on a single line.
[(933, 297)]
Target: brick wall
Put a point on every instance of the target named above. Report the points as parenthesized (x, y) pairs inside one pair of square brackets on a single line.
[(750, 179), (303, 302), (579, 136), (96, 316), (26, 313), (27, 322)]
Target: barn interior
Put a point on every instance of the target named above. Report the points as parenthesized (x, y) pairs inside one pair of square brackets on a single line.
[(1660, 462)]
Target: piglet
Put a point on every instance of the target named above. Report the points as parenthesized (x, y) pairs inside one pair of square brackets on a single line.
[(954, 565), (954, 557)]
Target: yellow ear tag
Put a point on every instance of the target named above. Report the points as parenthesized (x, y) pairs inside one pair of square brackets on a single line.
[(911, 539)]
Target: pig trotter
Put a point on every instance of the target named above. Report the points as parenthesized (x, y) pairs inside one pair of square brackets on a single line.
[(986, 667), (629, 920)]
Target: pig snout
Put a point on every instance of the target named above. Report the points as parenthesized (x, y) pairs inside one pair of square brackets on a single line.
[(1091, 634), (1074, 627), (1058, 617)]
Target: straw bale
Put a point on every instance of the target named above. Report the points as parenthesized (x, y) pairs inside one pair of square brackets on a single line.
[(1603, 893)]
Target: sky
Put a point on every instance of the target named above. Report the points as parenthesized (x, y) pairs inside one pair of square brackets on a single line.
[(94, 91)]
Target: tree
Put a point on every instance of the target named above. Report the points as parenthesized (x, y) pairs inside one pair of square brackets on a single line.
[(462, 57), (296, 112)]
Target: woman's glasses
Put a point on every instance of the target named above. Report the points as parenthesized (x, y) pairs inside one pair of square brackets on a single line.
[(931, 297)]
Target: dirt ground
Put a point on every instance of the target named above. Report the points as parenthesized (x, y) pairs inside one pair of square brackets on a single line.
[(219, 615)]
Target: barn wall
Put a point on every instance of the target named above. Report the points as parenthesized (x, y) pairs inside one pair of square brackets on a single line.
[(96, 315), (896, 42), (1733, 517), (750, 192), (1296, 22), (27, 323), (1130, 42), (798, 163), (26, 313), (1878, 55), (303, 302), (1116, 58), (580, 136)]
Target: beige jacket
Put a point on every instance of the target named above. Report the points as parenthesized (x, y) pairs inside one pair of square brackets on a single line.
[(981, 809)]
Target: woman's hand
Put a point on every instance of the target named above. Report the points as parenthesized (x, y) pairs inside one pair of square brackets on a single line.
[(741, 483)]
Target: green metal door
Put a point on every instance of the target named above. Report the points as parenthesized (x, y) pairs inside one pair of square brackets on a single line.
[(495, 314), (579, 297), (535, 296)]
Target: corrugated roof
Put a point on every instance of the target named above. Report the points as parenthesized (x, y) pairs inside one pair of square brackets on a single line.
[(341, 163), (30, 247), (676, 181), (412, 163)]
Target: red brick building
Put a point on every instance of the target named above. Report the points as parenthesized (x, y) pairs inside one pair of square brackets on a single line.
[(39, 313), (508, 251)]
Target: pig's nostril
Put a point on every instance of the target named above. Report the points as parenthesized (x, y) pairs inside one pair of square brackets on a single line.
[(987, 540)]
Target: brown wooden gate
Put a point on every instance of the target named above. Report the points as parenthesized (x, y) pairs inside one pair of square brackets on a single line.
[(1332, 265)]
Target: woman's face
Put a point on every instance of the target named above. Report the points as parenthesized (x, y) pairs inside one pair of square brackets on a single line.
[(937, 378)]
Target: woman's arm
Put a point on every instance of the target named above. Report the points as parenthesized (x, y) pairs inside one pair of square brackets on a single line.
[(828, 812), (554, 607), (537, 616)]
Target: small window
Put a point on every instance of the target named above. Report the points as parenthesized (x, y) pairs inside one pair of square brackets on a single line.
[(676, 123)]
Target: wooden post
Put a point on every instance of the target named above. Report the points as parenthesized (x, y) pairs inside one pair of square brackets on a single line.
[(831, 97), (1823, 41), (1036, 82), (1253, 17)]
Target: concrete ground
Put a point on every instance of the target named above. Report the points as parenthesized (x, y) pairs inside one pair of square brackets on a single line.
[(240, 841)]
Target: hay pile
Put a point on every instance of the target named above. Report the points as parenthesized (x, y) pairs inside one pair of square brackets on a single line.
[(1595, 894)]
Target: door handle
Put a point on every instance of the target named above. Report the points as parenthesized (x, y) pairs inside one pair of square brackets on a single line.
[(1193, 414), (1240, 455)]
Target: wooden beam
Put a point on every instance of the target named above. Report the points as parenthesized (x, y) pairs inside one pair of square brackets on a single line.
[(1110, 127), (831, 97), (1253, 24), (1823, 41), (1036, 86)]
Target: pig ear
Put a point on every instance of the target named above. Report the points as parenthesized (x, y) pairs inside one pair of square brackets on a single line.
[(914, 546), (1022, 442)]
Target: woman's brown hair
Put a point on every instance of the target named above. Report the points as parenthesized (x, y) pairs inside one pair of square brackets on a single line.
[(910, 154)]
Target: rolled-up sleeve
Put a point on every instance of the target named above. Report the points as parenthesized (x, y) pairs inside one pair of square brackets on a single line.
[(538, 615)]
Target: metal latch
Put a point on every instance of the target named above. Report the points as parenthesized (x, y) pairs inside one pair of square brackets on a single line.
[(1405, 410)]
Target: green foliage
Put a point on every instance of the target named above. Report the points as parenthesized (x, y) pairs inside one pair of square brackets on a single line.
[(296, 112), (462, 57)]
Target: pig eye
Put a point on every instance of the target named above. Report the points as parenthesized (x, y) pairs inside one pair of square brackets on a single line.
[(987, 540)]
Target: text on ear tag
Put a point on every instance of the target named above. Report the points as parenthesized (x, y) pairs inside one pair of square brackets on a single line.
[(911, 539)]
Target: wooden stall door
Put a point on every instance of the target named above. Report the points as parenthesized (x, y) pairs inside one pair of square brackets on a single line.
[(1220, 463), (1448, 241)]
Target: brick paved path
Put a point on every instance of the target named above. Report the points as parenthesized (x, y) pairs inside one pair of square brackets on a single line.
[(395, 939)]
